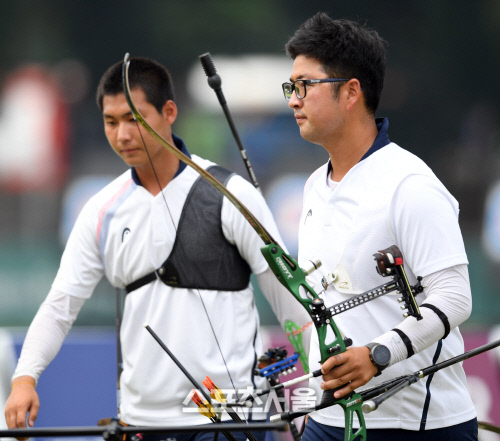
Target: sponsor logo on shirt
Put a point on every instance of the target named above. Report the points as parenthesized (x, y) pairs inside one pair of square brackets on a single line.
[(125, 234), (309, 213)]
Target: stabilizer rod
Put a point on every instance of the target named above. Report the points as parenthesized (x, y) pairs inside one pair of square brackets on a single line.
[(214, 81)]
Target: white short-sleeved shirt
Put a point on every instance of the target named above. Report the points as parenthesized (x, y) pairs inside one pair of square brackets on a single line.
[(124, 232), (389, 198)]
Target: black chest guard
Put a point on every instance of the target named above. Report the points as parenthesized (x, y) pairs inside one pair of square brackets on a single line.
[(201, 257)]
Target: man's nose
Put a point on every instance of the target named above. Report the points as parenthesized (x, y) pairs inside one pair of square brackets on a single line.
[(294, 101), (124, 131)]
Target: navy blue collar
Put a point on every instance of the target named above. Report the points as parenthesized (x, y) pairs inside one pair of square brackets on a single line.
[(381, 140), (179, 143)]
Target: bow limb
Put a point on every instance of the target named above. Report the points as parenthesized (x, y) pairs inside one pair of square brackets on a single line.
[(284, 267), (351, 405)]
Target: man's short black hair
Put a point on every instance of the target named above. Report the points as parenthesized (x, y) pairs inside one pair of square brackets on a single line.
[(345, 49), (144, 73)]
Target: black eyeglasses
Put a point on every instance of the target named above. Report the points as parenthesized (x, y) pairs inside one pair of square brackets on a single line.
[(299, 86)]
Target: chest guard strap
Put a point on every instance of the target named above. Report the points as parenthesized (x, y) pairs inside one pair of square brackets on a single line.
[(201, 257)]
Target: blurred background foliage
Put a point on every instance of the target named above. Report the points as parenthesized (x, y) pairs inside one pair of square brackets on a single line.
[(441, 96)]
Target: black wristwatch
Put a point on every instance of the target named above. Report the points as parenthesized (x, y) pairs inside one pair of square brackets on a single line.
[(380, 356)]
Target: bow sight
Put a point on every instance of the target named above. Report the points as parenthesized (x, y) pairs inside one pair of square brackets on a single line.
[(389, 263)]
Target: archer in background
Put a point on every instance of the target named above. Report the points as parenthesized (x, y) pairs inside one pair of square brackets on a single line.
[(372, 194), (184, 255)]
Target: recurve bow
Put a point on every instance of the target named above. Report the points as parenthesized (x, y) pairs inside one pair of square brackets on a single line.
[(293, 278)]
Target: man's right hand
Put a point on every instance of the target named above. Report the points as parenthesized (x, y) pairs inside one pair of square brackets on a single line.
[(22, 402)]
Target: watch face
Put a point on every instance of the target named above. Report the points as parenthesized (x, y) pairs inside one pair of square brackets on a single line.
[(381, 355)]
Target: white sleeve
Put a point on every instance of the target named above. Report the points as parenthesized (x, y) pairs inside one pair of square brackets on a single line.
[(447, 290), (424, 219), (238, 230), (284, 305), (47, 332), (81, 266)]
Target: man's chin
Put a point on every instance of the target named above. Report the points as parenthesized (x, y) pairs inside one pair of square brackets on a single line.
[(307, 135), (133, 161), (312, 140)]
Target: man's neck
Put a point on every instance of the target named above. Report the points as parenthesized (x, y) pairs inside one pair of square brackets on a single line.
[(155, 178), (348, 150)]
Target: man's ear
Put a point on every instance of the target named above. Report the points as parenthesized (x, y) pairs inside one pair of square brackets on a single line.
[(353, 92), (169, 112)]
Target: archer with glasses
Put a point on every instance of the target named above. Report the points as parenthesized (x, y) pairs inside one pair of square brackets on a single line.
[(372, 194)]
